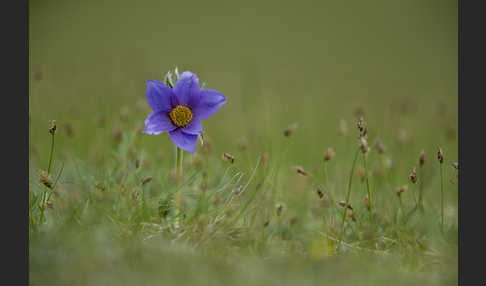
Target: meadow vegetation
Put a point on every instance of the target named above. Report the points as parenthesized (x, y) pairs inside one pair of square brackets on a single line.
[(323, 167)]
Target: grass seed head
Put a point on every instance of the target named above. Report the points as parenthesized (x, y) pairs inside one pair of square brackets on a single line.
[(379, 147), (363, 144), (455, 165), (413, 175), (228, 157), (320, 193), (422, 158), (264, 159), (344, 204), (329, 154), (290, 129), (45, 179), (440, 155), (146, 180), (300, 171), (401, 190), (53, 127), (362, 126)]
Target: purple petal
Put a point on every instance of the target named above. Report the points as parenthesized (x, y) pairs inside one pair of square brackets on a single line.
[(157, 123), (159, 96), (194, 127), (209, 102), (186, 87), (184, 141)]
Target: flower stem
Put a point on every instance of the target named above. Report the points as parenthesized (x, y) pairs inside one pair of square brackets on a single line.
[(368, 187), (421, 188), (348, 197), (325, 175), (51, 155), (178, 184), (441, 198)]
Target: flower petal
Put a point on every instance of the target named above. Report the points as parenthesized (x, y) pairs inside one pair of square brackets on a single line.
[(157, 123), (194, 127), (186, 87), (159, 96), (184, 141), (209, 102)]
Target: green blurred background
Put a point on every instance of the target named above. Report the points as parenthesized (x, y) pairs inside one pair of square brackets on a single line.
[(277, 62)]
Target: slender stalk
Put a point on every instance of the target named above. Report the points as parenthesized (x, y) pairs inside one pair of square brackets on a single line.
[(401, 209), (178, 185), (51, 155), (368, 187), (348, 197), (325, 174), (441, 198), (421, 189)]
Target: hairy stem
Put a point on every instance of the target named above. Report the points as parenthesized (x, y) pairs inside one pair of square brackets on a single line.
[(178, 185)]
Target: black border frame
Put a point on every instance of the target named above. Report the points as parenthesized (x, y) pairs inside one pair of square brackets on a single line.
[(16, 79)]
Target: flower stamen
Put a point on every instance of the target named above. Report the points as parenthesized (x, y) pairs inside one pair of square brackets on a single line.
[(181, 116)]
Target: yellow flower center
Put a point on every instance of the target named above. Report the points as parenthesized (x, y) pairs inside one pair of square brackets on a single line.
[(180, 116)]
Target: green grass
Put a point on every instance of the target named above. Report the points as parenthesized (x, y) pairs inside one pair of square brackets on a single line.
[(314, 64)]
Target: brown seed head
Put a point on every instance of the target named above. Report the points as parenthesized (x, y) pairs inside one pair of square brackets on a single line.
[(363, 144), (344, 204), (379, 147), (300, 171), (228, 157), (455, 165), (53, 127), (413, 175), (329, 154), (45, 179), (320, 193), (264, 159), (290, 129), (440, 155), (422, 158), (362, 125), (49, 204), (351, 216), (401, 190), (146, 180)]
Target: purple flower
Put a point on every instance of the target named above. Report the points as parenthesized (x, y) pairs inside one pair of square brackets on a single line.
[(180, 110)]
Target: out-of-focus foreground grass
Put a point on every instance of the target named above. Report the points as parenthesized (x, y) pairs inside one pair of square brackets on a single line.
[(320, 64)]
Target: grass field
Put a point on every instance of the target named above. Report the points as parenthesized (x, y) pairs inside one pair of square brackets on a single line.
[(107, 217)]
